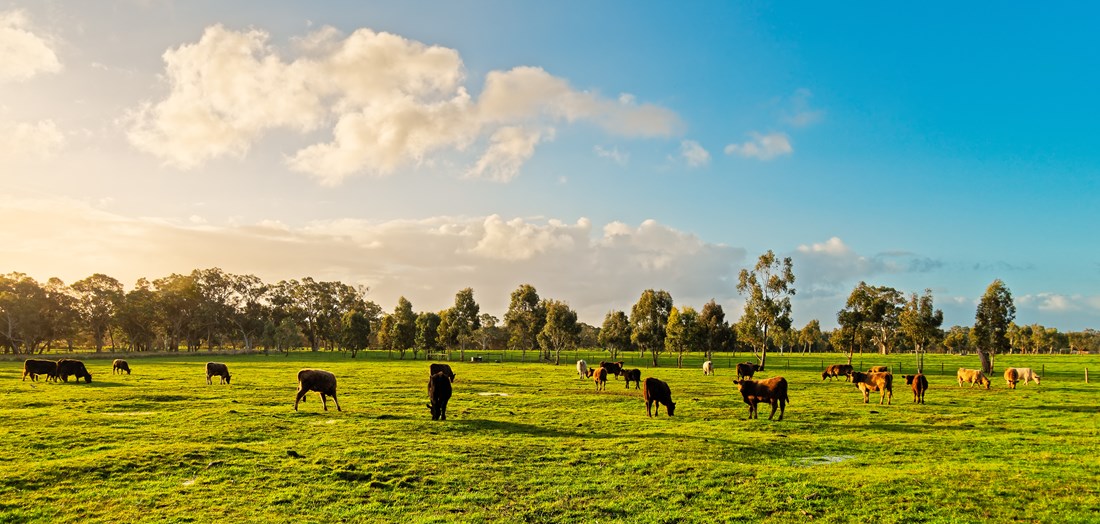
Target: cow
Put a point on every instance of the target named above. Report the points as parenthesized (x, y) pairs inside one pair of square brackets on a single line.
[(66, 367), (442, 368), (878, 369), (632, 375), (748, 369), (217, 369), (973, 376), (439, 394), (582, 369), (119, 365), (319, 380), (599, 376), (836, 370), (919, 383), (868, 382), (655, 393), (1024, 375), (612, 368), (708, 368), (1011, 377), (33, 367), (773, 391)]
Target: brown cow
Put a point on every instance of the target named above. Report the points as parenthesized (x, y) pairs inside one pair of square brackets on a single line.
[(1024, 375), (748, 369), (836, 370), (1012, 377), (878, 369), (919, 383), (634, 375), (439, 393), (319, 380), (33, 367), (973, 376), (119, 365), (655, 393), (868, 382), (599, 376), (442, 368), (217, 369), (772, 391)]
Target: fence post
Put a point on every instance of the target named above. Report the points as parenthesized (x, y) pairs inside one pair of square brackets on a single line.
[(1086, 375), (941, 368)]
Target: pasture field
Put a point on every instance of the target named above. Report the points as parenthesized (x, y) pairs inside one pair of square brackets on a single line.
[(529, 442)]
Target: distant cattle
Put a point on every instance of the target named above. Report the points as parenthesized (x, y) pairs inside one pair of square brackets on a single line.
[(319, 380), (582, 368), (612, 368), (748, 369), (632, 375), (878, 369), (772, 391), (119, 365), (708, 368), (973, 376), (439, 394), (868, 382), (442, 368), (32, 367), (67, 367), (655, 393), (836, 371), (1024, 375), (217, 369), (599, 376), (919, 383)]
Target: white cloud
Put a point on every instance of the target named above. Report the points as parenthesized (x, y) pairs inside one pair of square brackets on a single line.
[(801, 114), (25, 53), (694, 154), (392, 103), (832, 266), (23, 142), (612, 154), (762, 147)]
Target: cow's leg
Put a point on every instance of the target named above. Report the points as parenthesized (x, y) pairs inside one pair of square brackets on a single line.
[(647, 413), (298, 398), (336, 401), (773, 403), (323, 403)]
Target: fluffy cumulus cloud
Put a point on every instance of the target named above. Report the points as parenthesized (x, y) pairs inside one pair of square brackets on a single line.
[(694, 154), (593, 267), (25, 53), (762, 147), (22, 142), (832, 267), (387, 102)]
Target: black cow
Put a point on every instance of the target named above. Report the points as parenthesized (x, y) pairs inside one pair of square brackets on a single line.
[(439, 392)]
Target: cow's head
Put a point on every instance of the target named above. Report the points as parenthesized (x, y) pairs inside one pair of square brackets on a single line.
[(909, 379), (226, 377), (671, 408), (87, 378)]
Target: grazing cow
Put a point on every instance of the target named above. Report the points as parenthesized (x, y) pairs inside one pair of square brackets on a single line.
[(582, 369), (632, 375), (319, 380), (919, 383), (599, 376), (973, 376), (33, 367), (119, 365), (655, 393), (441, 368), (439, 393), (613, 368), (868, 382), (772, 391), (708, 368), (1011, 377), (748, 369), (66, 367), (217, 369), (878, 369), (1024, 375), (836, 371)]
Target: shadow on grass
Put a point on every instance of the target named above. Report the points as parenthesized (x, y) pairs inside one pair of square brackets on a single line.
[(1067, 408), (482, 425)]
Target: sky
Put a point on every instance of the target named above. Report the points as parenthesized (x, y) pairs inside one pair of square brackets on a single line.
[(591, 149)]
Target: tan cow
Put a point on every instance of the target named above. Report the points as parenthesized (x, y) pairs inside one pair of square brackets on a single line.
[(868, 382), (919, 383), (973, 376), (1011, 377), (1024, 375)]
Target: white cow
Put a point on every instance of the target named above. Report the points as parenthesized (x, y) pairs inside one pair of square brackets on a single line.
[(582, 368), (708, 368)]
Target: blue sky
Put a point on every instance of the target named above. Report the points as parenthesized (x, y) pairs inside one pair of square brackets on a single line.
[(592, 149)]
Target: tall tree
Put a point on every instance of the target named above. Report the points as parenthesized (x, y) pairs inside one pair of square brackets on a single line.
[(921, 322), (560, 330), (525, 318), (877, 310), (810, 335), (137, 317), (716, 333), (98, 297), (615, 333), (427, 332), (683, 332), (648, 322), (957, 339), (463, 319), (768, 289), (22, 302), (355, 332), (403, 326), (995, 311), (385, 333)]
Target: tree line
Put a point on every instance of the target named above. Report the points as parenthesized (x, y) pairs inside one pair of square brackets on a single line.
[(215, 309)]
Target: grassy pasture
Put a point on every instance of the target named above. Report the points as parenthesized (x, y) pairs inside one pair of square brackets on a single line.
[(533, 443)]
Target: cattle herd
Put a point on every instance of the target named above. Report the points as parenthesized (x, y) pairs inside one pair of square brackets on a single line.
[(655, 392)]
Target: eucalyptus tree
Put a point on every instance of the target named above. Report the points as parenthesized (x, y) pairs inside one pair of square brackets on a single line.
[(768, 287), (355, 331), (716, 333), (648, 322), (60, 315), (810, 336), (995, 312), (489, 334), (615, 333), (178, 303), (682, 332), (957, 339), (560, 330), (921, 322), (1019, 337), (462, 320), (427, 332), (878, 310), (137, 316), (247, 308), (22, 300), (403, 327), (524, 318), (385, 333), (98, 297)]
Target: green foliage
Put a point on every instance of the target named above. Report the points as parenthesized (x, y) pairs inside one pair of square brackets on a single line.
[(768, 289), (683, 332), (402, 327), (560, 331), (649, 321), (355, 331), (995, 312), (525, 318), (921, 323), (615, 333), (427, 332), (716, 335)]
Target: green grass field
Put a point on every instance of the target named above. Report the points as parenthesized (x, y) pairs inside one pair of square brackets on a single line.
[(533, 443)]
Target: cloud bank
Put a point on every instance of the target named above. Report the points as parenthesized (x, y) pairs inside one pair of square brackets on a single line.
[(387, 103), (25, 53)]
